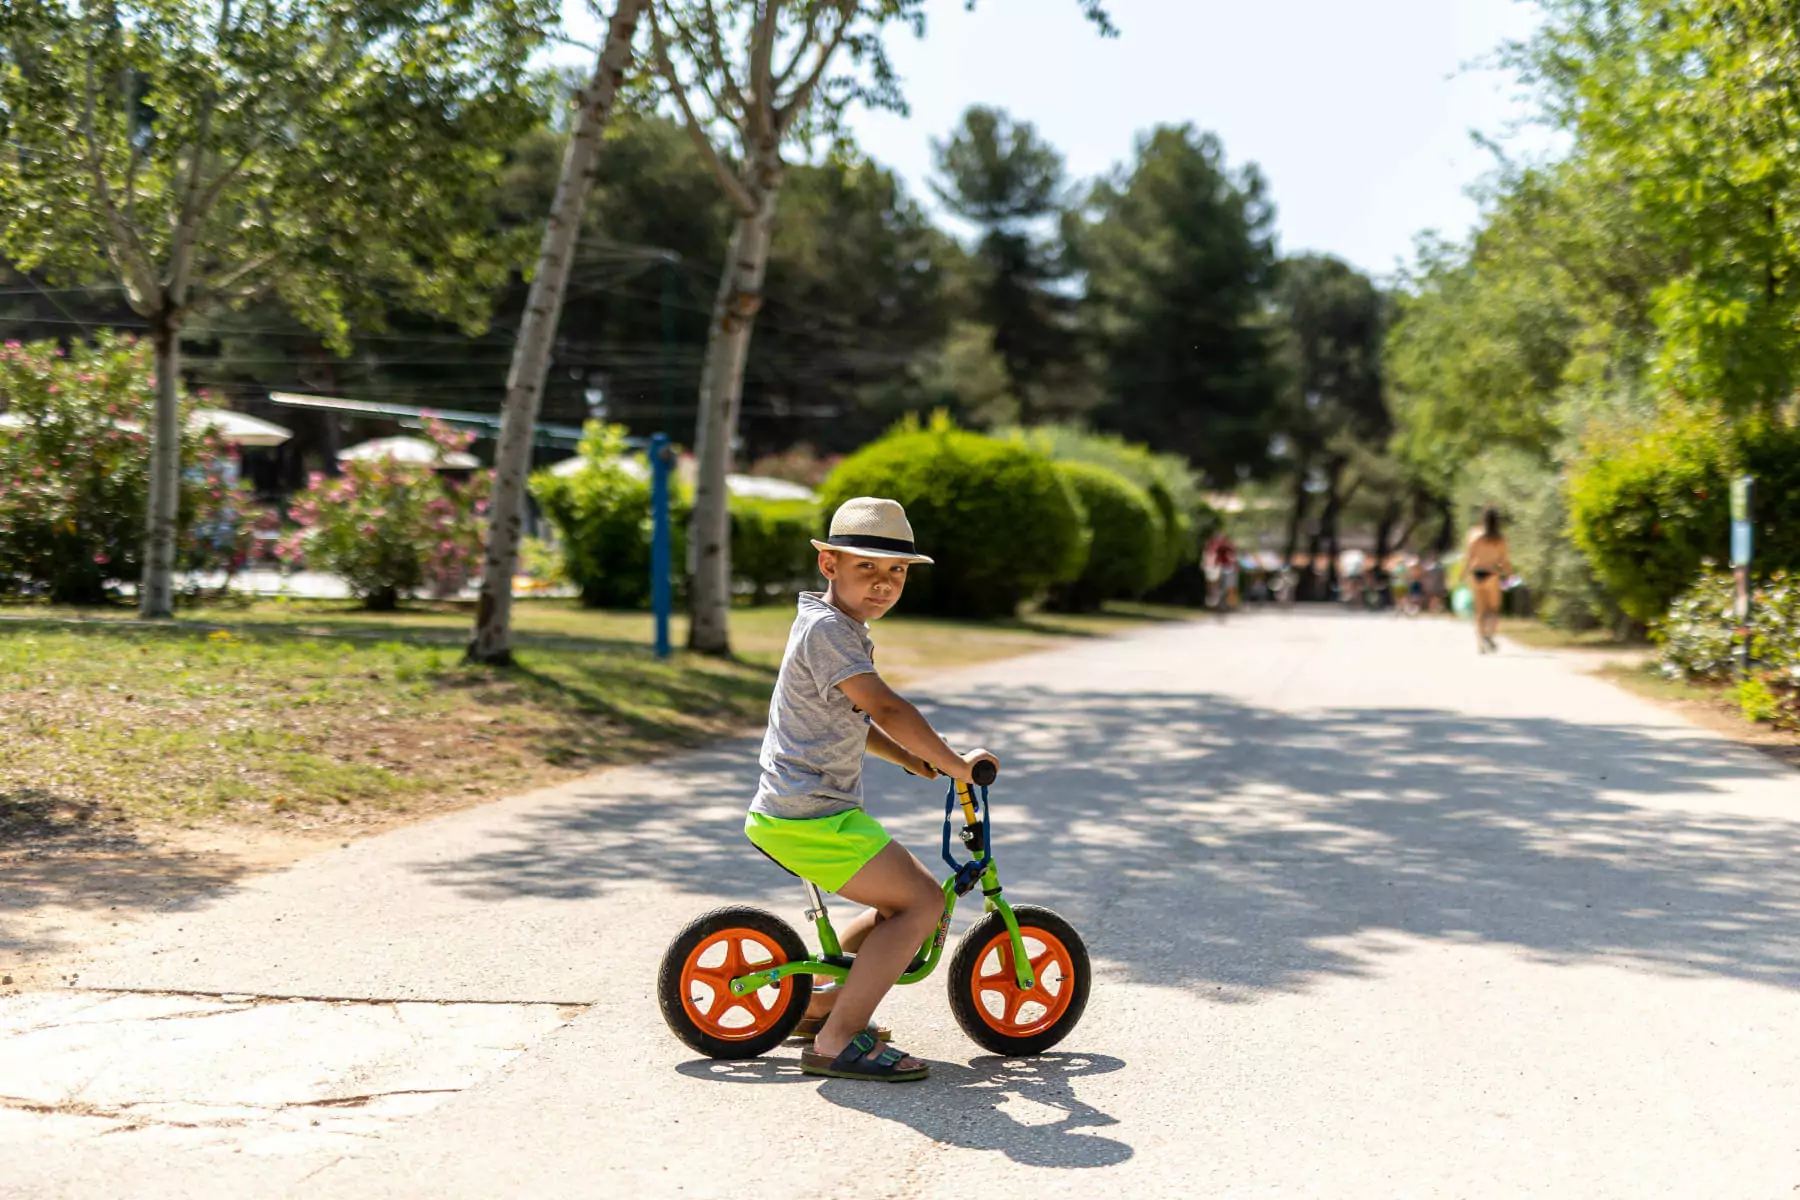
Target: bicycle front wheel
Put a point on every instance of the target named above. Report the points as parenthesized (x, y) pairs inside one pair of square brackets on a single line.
[(985, 994)]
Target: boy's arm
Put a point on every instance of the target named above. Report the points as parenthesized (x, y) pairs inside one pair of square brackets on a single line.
[(901, 724), (885, 747)]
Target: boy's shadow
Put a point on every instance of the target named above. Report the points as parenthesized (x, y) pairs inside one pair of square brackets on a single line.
[(1025, 1107)]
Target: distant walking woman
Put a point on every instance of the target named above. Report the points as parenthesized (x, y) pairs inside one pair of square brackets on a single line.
[(1486, 563)]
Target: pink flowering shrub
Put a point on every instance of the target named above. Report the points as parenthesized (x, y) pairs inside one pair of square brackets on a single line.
[(75, 472), (390, 528)]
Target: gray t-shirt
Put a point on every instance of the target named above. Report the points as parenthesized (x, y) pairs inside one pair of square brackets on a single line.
[(812, 754)]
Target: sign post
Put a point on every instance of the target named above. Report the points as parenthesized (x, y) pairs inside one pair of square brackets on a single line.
[(661, 594), (1742, 538)]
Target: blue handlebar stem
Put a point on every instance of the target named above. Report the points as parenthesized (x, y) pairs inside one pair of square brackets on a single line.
[(974, 867)]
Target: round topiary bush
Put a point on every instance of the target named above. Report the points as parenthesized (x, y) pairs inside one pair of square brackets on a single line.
[(1126, 553), (995, 515)]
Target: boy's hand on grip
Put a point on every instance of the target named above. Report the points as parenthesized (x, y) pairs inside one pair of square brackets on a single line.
[(965, 770)]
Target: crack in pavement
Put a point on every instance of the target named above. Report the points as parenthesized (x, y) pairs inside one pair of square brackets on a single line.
[(358, 1101), (253, 999)]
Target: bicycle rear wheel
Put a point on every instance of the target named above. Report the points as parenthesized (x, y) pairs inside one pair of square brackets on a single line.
[(693, 985)]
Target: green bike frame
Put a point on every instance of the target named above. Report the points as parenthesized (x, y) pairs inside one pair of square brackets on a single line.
[(833, 963)]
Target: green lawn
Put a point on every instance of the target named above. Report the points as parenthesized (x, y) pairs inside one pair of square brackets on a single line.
[(319, 712)]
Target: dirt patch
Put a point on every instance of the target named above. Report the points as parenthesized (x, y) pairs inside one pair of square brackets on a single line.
[(75, 883), (78, 879)]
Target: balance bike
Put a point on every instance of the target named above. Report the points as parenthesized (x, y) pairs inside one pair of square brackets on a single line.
[(736, 981)]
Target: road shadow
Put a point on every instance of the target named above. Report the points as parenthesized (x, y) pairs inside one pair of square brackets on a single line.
[(59, 856), (1290, 845), (1025, 1108)]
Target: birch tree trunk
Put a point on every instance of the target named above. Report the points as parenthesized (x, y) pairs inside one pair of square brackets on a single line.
[(721, 393), (156, 587), (492, 640)]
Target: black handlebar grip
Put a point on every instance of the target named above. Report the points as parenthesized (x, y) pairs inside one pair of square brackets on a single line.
[(984, 772)]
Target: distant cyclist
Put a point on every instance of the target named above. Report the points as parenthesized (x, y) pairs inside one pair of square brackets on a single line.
[(1221, 564), (1486, 563)]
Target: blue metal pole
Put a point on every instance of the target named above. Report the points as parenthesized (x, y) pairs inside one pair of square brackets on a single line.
[(662, 599)]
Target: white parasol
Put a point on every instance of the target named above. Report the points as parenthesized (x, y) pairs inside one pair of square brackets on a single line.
[(239, 429), (409, 450)]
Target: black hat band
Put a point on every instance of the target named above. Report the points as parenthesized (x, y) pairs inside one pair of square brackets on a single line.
[(868, 541)]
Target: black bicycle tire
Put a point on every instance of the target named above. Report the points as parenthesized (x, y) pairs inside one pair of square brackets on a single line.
[(673, 1003), (967, 961)]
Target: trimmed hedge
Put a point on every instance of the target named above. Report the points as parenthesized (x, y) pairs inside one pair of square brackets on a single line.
[(1127, 549), (1185, 519), (771, 544), (1649, 509), (996, 515), (602, 519)]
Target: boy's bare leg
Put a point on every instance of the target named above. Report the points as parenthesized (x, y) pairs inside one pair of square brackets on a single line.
[(851, 939), (897, 886)]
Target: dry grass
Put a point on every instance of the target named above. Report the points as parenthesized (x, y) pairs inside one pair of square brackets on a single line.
[(319, 714)]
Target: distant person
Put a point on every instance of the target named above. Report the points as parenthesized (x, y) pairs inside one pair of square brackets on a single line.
[(1436, 587), (1486, 563), (1221, 565), (1414, 602)]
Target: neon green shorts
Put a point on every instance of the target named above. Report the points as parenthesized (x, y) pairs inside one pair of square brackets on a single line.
[(826, 850)]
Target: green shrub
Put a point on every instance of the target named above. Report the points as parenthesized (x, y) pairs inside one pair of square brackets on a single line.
[(1123, 557), (1184, 518), (602, 518), (1648, 507), (771, 544), (996, 516), (1696, 633), (1758, 700), (75, 470), (1698, 642)]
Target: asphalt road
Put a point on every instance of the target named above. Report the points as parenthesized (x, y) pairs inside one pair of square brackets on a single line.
[(1372, 917)]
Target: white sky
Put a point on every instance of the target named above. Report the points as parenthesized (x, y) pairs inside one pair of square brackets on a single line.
[(1358, 111)]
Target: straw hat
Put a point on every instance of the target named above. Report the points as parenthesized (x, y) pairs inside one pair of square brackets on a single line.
[(873, 528)]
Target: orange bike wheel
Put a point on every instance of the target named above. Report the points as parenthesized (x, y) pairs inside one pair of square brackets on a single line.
[(985, 994), (706, 985), (1007, 1008)]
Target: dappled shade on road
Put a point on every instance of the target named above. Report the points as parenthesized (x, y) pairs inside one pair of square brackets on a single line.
[(1201, 841)]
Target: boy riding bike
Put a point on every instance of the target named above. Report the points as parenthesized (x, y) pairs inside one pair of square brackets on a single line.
[(830, 707)]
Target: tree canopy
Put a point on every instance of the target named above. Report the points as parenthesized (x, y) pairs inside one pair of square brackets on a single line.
[(1178, 258)]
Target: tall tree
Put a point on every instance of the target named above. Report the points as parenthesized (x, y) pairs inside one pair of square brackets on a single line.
[(745, 106), (492, 640), (206, 151), (1178, 255), (1000, 175), (1329, 321)]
